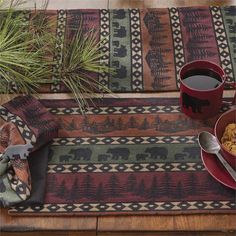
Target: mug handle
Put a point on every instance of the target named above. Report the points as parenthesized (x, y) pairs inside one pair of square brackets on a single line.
[(231, 85)]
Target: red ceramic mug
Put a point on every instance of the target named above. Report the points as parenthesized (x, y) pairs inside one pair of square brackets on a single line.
[(201, 89)]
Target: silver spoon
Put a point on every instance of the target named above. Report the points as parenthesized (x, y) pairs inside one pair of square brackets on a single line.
[(209, 144)]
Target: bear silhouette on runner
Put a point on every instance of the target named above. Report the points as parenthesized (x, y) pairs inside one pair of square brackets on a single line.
[(195, 103), (81, 153)]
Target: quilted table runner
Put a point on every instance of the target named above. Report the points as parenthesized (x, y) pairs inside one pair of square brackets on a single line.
[(148, 47), (128, 156)]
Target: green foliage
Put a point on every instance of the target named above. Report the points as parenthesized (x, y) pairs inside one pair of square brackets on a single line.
[(81, 57), (26, 50), (21, 63)]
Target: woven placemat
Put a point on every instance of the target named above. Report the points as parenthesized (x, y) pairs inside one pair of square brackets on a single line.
[(128, 156), (147, 47)]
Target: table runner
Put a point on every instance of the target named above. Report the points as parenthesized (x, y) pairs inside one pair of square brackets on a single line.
[(147, 47), (128, 156)]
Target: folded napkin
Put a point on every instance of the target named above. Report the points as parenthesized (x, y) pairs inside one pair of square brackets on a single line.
[(26, 126), (38, 163)]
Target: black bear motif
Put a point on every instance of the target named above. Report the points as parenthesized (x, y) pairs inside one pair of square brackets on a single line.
[(80, 153), (115, 24), (117, 153), (180, 156), (230, 11), (120, 51), (193, 152), (121, 71), (116, 64), (195, 103), (232, 39), (232, 28), (120, 32), (156, 152), (119, 14), (115, 43), (115, 85), (64, 158)]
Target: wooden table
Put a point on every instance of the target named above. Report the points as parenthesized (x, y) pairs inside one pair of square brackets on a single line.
[(202, 224)]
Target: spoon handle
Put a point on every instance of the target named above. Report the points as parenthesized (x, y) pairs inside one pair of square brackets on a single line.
[(227, 166)]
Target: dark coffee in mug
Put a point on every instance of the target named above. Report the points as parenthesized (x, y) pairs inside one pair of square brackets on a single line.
[(201, 88), (201, 79)]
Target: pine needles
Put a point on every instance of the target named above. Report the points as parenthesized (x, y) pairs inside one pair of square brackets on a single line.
[(81, 59), (22, 62), (27, 46)]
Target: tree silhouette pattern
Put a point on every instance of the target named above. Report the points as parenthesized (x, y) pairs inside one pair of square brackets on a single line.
[(156, 56), (120, 123), (199, 34), (158, 187)]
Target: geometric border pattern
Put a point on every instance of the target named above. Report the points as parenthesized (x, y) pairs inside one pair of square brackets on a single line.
[(60, 34), (127, 207), (136, 50), (116, 110), (27, 134), (124, 140), (125, 167), (19, 187), (105, 39), (222, 43), (178, 42)]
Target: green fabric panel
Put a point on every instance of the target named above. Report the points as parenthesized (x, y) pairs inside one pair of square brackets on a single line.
[(120, 52), (8, 197), (128, 153), (229, 19)]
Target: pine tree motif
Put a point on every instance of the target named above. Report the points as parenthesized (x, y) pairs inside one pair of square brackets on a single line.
[(87, 187), (179, 192), (107, 123), (62, 190), (85, 124), (94, 127), (52, 183), (192, 184), (153, 192), (193, 15), (132, 123), (72, 125), (145, 125), (141, 190), (131, 183), (119, 124), (198, 33), (99, 195), (74, 192), (156, 56), (212, 186), (166, 189), (157, 122), (113, 188)]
